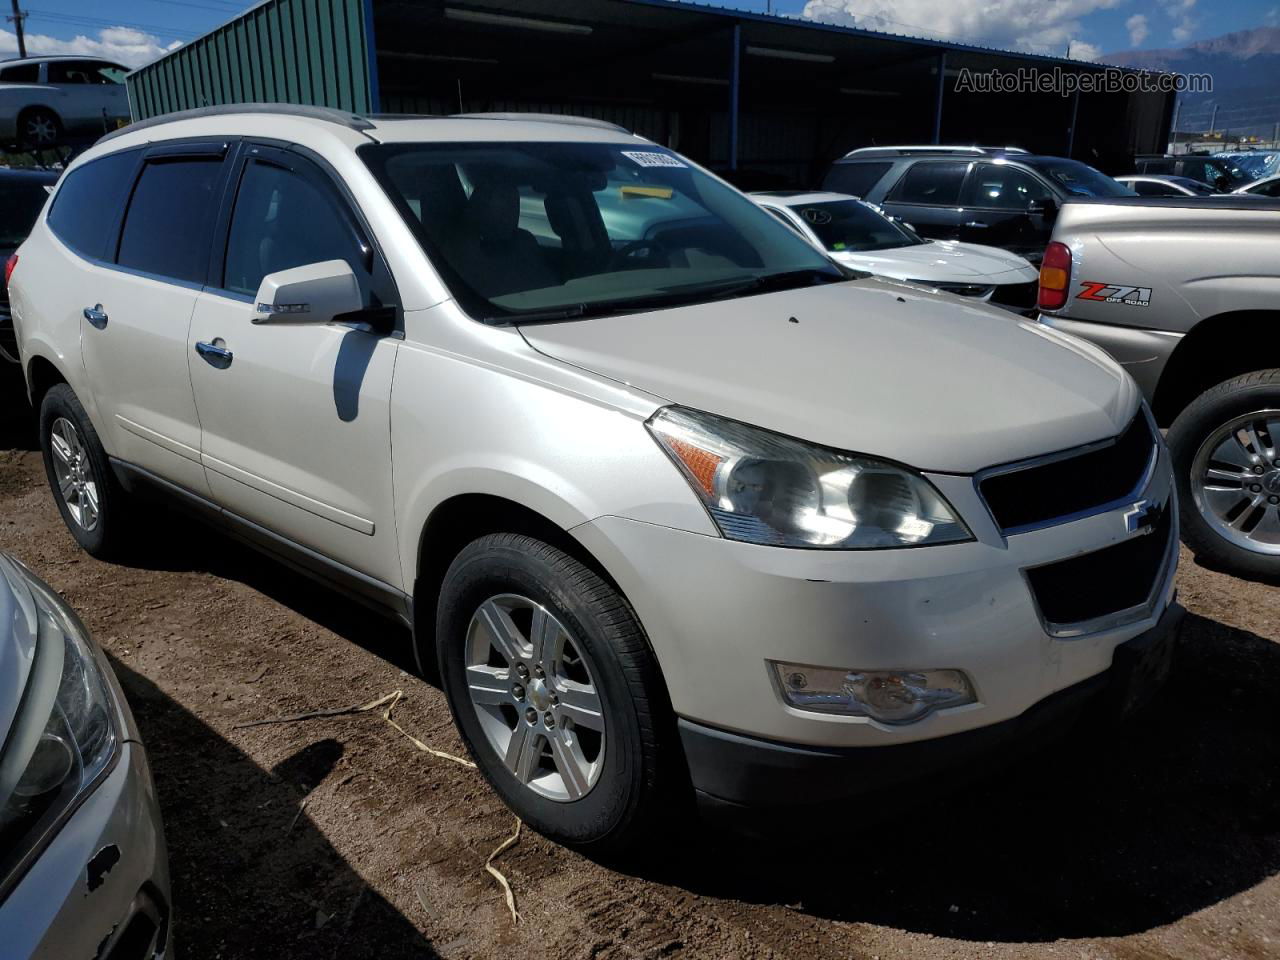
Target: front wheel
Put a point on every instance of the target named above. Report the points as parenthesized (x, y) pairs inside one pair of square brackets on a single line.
[(1226, 455), (554, 689)]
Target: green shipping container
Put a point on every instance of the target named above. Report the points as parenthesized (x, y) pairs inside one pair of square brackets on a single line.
[(315, 52)]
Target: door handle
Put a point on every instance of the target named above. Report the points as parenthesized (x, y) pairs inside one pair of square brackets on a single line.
[(976, 224), (215, 354), (96, 315)]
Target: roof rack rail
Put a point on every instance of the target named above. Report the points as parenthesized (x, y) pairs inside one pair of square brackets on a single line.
[(351, 121), (927, 149), (545, 118)]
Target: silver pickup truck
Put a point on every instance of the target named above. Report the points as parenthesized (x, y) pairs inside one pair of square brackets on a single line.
[(1185, 293), (46, 101)]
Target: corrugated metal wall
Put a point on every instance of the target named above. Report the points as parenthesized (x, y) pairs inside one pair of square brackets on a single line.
[(285, 51)]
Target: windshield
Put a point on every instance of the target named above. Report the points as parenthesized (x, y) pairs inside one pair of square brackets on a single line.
[(845, 226), (1080, 179), (20, 204), (526, 230), (1255, 165)]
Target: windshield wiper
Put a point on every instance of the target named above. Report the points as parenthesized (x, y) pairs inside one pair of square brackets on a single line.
[(570, 312), (676, 297)]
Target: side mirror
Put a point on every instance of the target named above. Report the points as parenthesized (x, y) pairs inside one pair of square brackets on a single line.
[(311, 294), (1043, 211)]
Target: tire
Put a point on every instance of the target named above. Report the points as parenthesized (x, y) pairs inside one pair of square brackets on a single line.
[(94, 506), (39, 128), (620, 784), (1200, 439)]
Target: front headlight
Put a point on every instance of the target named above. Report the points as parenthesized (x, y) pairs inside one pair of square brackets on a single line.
[(761, 487), (64, 736)]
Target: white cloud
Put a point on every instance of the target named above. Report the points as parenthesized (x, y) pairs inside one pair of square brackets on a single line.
[(1184, 24), (1138, 29), (1036, 26), (124, 45)]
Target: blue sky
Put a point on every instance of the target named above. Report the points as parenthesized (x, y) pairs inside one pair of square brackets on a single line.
[(139, 30)]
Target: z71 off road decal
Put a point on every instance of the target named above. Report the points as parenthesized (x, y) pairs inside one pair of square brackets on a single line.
[(1114, 293)]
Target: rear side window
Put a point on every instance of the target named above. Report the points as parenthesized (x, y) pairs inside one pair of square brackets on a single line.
[(1145, 188), (88, 203), (854, 178), (167, 228), (26, 73), (282, 220), (935, 182)]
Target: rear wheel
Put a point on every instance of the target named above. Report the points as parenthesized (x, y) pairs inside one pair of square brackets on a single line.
[(552, 684), (39, 128), (1226, 454), (91, 501)]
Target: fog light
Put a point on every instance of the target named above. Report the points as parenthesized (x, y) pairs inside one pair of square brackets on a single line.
[(890, 696)]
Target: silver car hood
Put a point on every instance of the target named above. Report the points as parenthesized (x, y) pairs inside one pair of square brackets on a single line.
[(871, 366), (942, 261), (17, 643)]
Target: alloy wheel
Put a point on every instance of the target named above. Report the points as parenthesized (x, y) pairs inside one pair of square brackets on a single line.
[(1235, 481), (77, 484), (41, 128), (532, 687)]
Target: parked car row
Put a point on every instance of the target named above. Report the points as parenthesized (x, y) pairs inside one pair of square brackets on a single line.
[(669, 494)]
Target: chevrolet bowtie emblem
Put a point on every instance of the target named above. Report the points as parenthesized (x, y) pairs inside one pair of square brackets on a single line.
[(1143, 516)]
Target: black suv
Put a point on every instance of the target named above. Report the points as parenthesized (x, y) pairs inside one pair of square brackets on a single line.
[(1000, 196), (1216, 172), (22, 195)]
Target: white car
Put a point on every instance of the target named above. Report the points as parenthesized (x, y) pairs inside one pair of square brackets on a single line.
[(46, 100), (1265, 187), (1165, 185), (862, 236), (83, 864), (677, 507)]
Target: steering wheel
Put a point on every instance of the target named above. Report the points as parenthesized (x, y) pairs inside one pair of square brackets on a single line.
[(642, 253)]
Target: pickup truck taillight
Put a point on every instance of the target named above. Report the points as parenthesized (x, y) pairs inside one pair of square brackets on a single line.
[(8, 267), (1055, 276)]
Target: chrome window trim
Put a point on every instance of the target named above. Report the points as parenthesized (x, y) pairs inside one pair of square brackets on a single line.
[(1019, 465)]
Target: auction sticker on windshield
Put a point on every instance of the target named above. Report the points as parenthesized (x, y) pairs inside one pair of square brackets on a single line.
[(650, 158)]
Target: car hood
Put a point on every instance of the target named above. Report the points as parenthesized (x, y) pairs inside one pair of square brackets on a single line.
[(17, 643), (871, 366), (942, 261)]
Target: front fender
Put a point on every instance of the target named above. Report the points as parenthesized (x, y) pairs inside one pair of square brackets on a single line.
[(460, 427)]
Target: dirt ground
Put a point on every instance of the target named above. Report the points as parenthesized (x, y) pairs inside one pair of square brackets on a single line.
[(1159, 840)]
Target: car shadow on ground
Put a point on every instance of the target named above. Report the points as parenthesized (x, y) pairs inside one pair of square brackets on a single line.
[(247, 883), (175, 541), (1104, 834)]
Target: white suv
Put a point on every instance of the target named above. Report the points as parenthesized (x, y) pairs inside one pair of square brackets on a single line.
[(669, 499)]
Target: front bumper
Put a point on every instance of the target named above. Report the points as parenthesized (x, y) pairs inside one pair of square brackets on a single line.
[(732, 773), (718, 611)]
